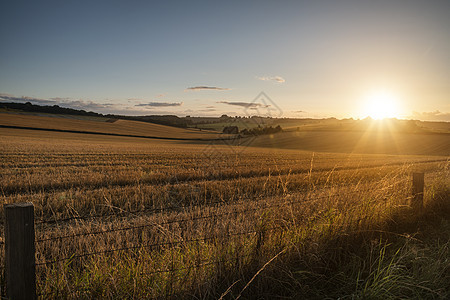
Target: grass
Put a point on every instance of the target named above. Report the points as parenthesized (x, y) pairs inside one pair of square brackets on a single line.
[(323, 247), (267, 223)]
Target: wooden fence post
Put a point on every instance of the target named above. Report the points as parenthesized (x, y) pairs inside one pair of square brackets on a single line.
[(417, 191), (20, 251)]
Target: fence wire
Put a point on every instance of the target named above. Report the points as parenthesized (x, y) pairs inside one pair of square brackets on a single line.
[(212, 216), (174, 243), (156, 245), (122, 212)]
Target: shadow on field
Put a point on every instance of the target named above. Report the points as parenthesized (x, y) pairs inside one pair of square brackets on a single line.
[(405, 256), (371, 142)]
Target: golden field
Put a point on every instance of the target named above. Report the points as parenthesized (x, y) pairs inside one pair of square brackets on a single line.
[(123, 217), (102, 125)]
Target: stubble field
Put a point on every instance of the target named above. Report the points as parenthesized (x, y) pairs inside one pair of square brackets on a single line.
[(120, 217)]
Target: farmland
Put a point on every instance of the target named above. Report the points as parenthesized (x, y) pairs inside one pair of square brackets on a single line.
[(126, 217), (330, 124), (101, 125)]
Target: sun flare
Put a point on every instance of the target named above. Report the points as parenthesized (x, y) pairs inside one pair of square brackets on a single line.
[(381, 104)]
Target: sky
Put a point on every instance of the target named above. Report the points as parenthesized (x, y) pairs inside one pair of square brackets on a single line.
[(311, 59)]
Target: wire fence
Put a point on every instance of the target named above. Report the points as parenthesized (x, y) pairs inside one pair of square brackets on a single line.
[(211, 216), (170, 244), (123, 213), (201, 217), (194, 214), (215, 217)]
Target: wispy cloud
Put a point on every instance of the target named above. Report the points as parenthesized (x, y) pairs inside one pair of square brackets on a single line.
[(199, 88), (160, 104), (61, 101), (278, 79), (128, 107), (431, 116), (245, 104), (38, 101), (87, 105)]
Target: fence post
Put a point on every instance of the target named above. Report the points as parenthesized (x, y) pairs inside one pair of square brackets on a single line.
[(20, 251), (417, 191)]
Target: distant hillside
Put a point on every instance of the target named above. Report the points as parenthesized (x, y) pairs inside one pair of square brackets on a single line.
[(382, 142), (168, 120), (54, 109), (66, 123), (248, 122)]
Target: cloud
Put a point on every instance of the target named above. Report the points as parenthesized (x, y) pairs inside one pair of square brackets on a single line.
[(86, 105), (431, 116), (160, 104), (251, 105), (5, 95), (38, 101), (198, 88), (278, 79), (61, 101), (104, 108)]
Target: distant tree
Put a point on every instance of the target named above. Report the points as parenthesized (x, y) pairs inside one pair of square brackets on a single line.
[(261, 130), (231, 130)]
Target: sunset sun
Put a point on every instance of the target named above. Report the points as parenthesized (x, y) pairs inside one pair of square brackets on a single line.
[(381, 104)]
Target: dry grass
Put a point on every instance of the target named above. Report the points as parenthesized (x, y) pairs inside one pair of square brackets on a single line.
[(323, 211)]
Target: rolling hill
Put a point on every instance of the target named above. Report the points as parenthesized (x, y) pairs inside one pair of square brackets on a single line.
[(104, 126), (382, 142), (371, 141)]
